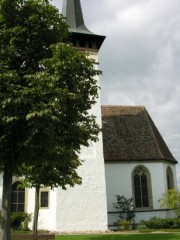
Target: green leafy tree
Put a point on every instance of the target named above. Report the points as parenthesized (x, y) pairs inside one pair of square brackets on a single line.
[(45, 95), (47, 176), (171, 199), (125, 207), (62, 122), (27, 29)]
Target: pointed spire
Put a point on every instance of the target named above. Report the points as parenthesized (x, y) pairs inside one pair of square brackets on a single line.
[(74, 17), (73, 12), (81, 36)]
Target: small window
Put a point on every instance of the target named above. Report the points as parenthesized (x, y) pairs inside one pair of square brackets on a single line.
[(44, 199)]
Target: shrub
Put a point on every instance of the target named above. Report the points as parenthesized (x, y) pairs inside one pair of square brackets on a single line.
[(176, 223), (171, 199), (20, 220), (161, 223), (125, 207), (125, 224)]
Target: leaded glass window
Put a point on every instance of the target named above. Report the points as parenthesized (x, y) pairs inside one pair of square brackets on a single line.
[(170, 180), (141, 188)]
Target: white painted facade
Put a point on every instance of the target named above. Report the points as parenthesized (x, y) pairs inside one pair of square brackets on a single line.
[(119, 182), (84, 207), (89, 206)]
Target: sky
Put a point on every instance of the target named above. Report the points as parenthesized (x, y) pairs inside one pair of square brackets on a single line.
[(140, 58)]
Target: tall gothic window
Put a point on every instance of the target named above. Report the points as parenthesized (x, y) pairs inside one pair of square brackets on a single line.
[(142, 188), (17, 198), (170, 179)]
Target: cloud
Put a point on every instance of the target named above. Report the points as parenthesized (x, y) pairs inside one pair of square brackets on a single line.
[(140, 58)]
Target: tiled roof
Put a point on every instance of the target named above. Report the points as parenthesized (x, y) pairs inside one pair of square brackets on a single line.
[(130, 134)]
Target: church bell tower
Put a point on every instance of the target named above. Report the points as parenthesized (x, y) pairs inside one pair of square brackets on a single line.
[(80, 35), (84, 207)]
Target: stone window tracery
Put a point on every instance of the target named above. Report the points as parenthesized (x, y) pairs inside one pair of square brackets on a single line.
[(142, 191)]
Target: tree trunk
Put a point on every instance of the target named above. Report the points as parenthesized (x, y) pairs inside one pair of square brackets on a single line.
[(6, 204), (36, 211)]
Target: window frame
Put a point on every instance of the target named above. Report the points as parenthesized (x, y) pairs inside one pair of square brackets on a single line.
[(44, 190), (148, 186), (17, 192), (169, 178)]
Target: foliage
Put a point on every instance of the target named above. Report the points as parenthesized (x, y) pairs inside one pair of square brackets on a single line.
[(59, 121), (27, 28), (20, 220), (125, 207), (162, 223), (171, 199), (125, 224), (45, 95)]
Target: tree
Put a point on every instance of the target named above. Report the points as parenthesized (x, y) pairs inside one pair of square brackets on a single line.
[(27, 29), (35, 177), (171, 199), (125, 207), (66, 90), (45, 95)]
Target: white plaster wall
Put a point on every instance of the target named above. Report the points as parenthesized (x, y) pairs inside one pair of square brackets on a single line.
[(46, 218), (84, 207), (118, 181)]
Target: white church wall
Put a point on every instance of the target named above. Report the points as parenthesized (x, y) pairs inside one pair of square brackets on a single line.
[(47, 214), (158, 181), (118, 181), (84, 207)]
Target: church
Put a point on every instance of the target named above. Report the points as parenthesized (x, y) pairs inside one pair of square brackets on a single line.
[(130, 159)]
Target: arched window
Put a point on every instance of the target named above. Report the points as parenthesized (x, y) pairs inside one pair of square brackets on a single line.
[(170, 178), (17, 197), (142, 191)]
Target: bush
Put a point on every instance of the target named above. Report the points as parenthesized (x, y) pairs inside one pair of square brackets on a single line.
[(125, 224), (125, 207), (171, 199), (161, 223), (20, 220), (176, 223)]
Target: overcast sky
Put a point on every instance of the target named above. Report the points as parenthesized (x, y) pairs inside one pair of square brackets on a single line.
[(140, 58)]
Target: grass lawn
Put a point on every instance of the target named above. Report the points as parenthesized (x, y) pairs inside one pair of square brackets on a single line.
[(149, 236)]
